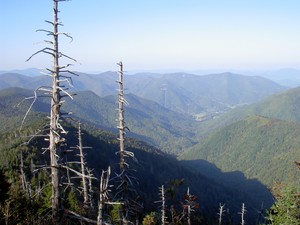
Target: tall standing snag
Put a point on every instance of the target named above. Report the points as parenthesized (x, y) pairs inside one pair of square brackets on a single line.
[(125, 177), (121, 128), (83, 169), (57, 92)]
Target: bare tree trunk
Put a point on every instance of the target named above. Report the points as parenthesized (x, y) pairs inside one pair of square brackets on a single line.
[(101, 202), (82, 163), (90, 188), (121, 118), (54, 139), (25, 184), (188, 208), (56, 91), (221, 211), (163, 205), (104, 191), (243, 214), (121, 152)]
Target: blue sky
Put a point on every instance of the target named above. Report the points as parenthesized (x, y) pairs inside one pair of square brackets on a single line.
[(153, 35)]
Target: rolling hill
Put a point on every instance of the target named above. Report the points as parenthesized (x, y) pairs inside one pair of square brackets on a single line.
[(185, 93)]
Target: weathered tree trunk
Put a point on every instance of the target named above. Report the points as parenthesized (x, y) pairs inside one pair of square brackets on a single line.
[(90, 188), (221, 211), (188, 208), (121, 118), (121, 128), (82, 163), (243, 214), (25, 184), (103, 198), (54, 145), (56, 91), (163, 206)]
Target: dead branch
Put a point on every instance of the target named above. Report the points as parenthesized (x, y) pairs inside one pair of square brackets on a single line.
[(44, 50)]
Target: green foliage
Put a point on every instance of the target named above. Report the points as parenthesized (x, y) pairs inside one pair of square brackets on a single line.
[(72, 201), (151, 219), (115, 213), (44, 200), (286, 209)]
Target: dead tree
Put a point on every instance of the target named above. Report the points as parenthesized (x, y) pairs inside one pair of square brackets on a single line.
[(25, 184), (91, 191), (190, 204), (57, 91), (243, 213), (124, 176), (221, 211), (103, 196), (163, 204), (121, 126), (82, 162)]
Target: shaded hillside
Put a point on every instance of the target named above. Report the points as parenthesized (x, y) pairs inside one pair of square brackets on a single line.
[(153, 168), (260, 147), (179, 91)]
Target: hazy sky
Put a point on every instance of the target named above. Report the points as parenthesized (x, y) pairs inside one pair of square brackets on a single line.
[(156, 34)]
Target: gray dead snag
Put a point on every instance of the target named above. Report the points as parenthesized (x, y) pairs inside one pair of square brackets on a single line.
[(82, 162), (189, 207), (103, 199), (121, 127), (55, 131), (25, 184), (243, 213), (163, 204), (57, 92), (103, 196), (125, 178), (221, 211), (190, 204), (91, 191)]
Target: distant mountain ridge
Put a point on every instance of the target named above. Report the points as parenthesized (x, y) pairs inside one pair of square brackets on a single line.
[(181, 92)]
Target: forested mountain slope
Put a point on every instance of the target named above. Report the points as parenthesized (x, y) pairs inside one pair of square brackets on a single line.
[(153, 168), (170, 131), (146, 120), (260, 147)]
